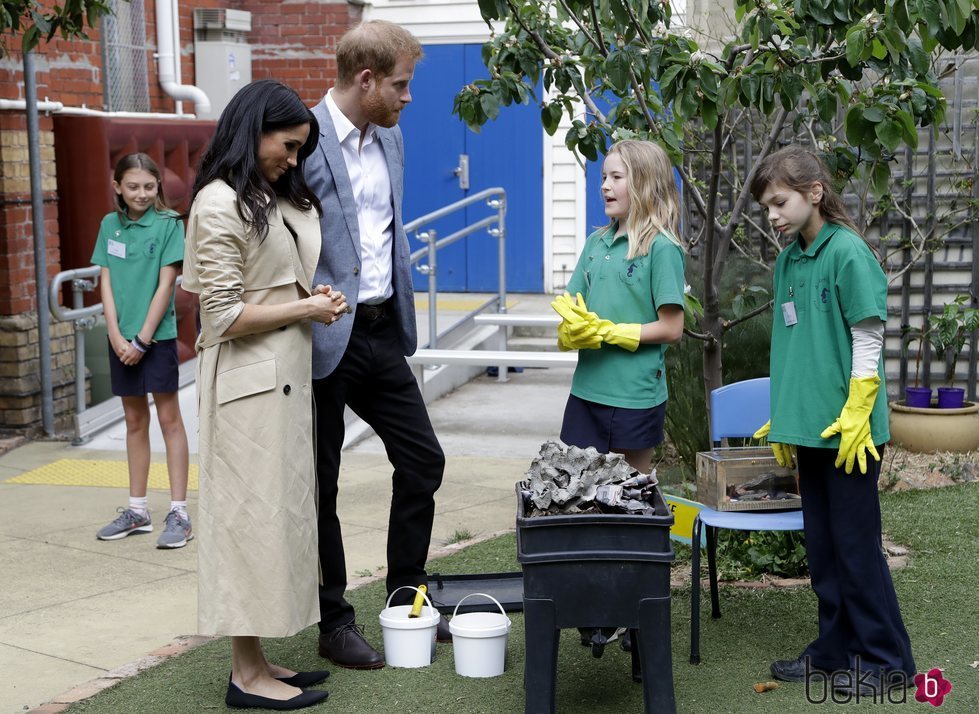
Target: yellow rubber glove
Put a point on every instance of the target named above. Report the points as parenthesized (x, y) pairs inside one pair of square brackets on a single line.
[(574, 332), (623, 334), (784, 453), (577, 336), (853, 424)]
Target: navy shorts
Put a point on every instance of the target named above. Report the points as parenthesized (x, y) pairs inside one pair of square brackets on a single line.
[(611, 429), (157, 372)]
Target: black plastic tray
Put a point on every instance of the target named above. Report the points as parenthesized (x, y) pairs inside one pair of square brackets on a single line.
[(447, 590)]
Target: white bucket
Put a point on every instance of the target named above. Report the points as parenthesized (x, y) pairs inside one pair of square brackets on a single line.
[(479, 640), (409, 641)]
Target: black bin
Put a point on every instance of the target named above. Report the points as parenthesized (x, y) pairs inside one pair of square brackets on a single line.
[(601, 570)]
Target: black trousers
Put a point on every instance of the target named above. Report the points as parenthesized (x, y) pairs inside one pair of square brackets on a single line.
[(858, 610), (374, 379)]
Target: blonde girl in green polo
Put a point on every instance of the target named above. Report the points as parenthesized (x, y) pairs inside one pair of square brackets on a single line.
[(628, 307), (829, 413), (140, 248)]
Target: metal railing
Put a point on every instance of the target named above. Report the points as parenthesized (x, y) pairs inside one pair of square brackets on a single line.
[(82, 280), (495, 198)]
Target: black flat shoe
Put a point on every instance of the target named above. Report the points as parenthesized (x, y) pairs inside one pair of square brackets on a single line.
[(443, 634), (305, 679), (237, 699)]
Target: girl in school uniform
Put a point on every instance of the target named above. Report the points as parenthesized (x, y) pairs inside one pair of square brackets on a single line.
[(628, 308), (829, 412), (140, 247)]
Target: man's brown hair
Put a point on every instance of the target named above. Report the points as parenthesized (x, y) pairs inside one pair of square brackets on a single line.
[(376, 45)]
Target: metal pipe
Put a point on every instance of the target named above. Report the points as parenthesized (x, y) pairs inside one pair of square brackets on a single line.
[(167, 55), (500, 232), (81, 325), (454, 237), (52, 107), (452, 207), (433, 330), (40, 247)]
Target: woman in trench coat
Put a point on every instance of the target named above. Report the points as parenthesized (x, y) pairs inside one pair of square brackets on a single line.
[(253, 241)]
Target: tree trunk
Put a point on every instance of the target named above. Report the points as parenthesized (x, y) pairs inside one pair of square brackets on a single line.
[(713, 325)]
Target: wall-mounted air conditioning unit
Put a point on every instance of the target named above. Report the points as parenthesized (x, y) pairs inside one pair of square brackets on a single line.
[(223, 59)]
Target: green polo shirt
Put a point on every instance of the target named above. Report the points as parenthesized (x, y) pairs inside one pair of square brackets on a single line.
[(134, 252), (624, 290), (834, 283)]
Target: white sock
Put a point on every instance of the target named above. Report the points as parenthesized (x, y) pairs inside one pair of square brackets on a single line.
[(138, 505), (180, 507)]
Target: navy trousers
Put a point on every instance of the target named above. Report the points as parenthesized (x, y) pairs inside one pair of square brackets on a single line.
[(858, 610), (374, 379)]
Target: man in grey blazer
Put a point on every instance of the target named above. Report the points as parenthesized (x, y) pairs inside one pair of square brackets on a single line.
[(357, 173)]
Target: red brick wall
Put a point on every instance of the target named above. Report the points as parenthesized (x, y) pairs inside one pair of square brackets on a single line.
[(296, 42), (291, 41)]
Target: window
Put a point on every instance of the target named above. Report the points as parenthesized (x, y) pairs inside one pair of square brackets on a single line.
[(124, 71)]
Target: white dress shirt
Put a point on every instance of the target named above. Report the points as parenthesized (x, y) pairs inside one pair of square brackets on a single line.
[(371, 183)]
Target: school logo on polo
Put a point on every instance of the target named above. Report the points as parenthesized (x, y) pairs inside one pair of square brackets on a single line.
[(151, 248), (823, 295)]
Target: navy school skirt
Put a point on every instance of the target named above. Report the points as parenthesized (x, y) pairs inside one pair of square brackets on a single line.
[(611, 429), (157, 372)]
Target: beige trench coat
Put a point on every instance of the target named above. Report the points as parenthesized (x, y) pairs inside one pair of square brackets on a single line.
[(258, 567)]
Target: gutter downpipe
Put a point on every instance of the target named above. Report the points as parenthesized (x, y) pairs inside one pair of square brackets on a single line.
[(167, 60), (40, 246)]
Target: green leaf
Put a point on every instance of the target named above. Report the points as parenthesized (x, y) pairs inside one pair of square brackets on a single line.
[(688, 101), (708, 112), (880, 178), (889, 133), (856, 37), (873, 114), (617, 71), (854, 125), (666, 79), (791, 89), (910, 133), (920, 61), (490, 105), (878, 50)]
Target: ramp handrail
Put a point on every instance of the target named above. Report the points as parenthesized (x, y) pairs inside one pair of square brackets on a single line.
[(495, 198)]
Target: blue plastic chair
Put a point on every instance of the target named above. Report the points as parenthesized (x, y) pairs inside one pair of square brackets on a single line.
[(737, 410)]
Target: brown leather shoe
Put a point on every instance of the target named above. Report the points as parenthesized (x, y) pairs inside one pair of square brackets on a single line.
[(346, 647), (442, 633)]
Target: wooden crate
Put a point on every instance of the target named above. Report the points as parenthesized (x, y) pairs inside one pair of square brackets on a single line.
[(745, 478)]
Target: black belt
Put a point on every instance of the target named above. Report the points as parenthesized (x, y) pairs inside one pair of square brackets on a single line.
[(372, 312)]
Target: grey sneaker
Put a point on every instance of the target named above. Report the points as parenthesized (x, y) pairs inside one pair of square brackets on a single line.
[(176, 531), (127, 523)]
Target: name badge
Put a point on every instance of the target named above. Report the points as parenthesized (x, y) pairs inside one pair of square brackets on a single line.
[(788, 314), (117, 248)]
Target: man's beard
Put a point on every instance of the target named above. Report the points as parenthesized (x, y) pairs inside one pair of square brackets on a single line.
[(378, 113)]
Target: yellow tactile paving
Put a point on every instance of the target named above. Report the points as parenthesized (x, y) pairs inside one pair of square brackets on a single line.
[(105, 474)]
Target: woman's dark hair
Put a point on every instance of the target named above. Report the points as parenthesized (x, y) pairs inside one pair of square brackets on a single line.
[(258, 108), (797, 168), (143, 162)]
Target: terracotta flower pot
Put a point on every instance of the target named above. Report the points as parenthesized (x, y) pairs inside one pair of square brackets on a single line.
[(933, 429)]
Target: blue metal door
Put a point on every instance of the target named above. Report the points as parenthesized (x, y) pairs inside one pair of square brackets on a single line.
[(508, 152)]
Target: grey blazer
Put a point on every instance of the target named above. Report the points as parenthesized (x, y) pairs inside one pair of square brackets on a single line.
[(339, 263)]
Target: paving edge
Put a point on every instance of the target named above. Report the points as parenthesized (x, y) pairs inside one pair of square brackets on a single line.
[(178, 646), (185, 643)]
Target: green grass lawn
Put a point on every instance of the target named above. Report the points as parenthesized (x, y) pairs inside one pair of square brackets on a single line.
[(938, 594)]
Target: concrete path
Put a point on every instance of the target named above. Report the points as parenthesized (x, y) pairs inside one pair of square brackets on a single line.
[(73, 608)]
